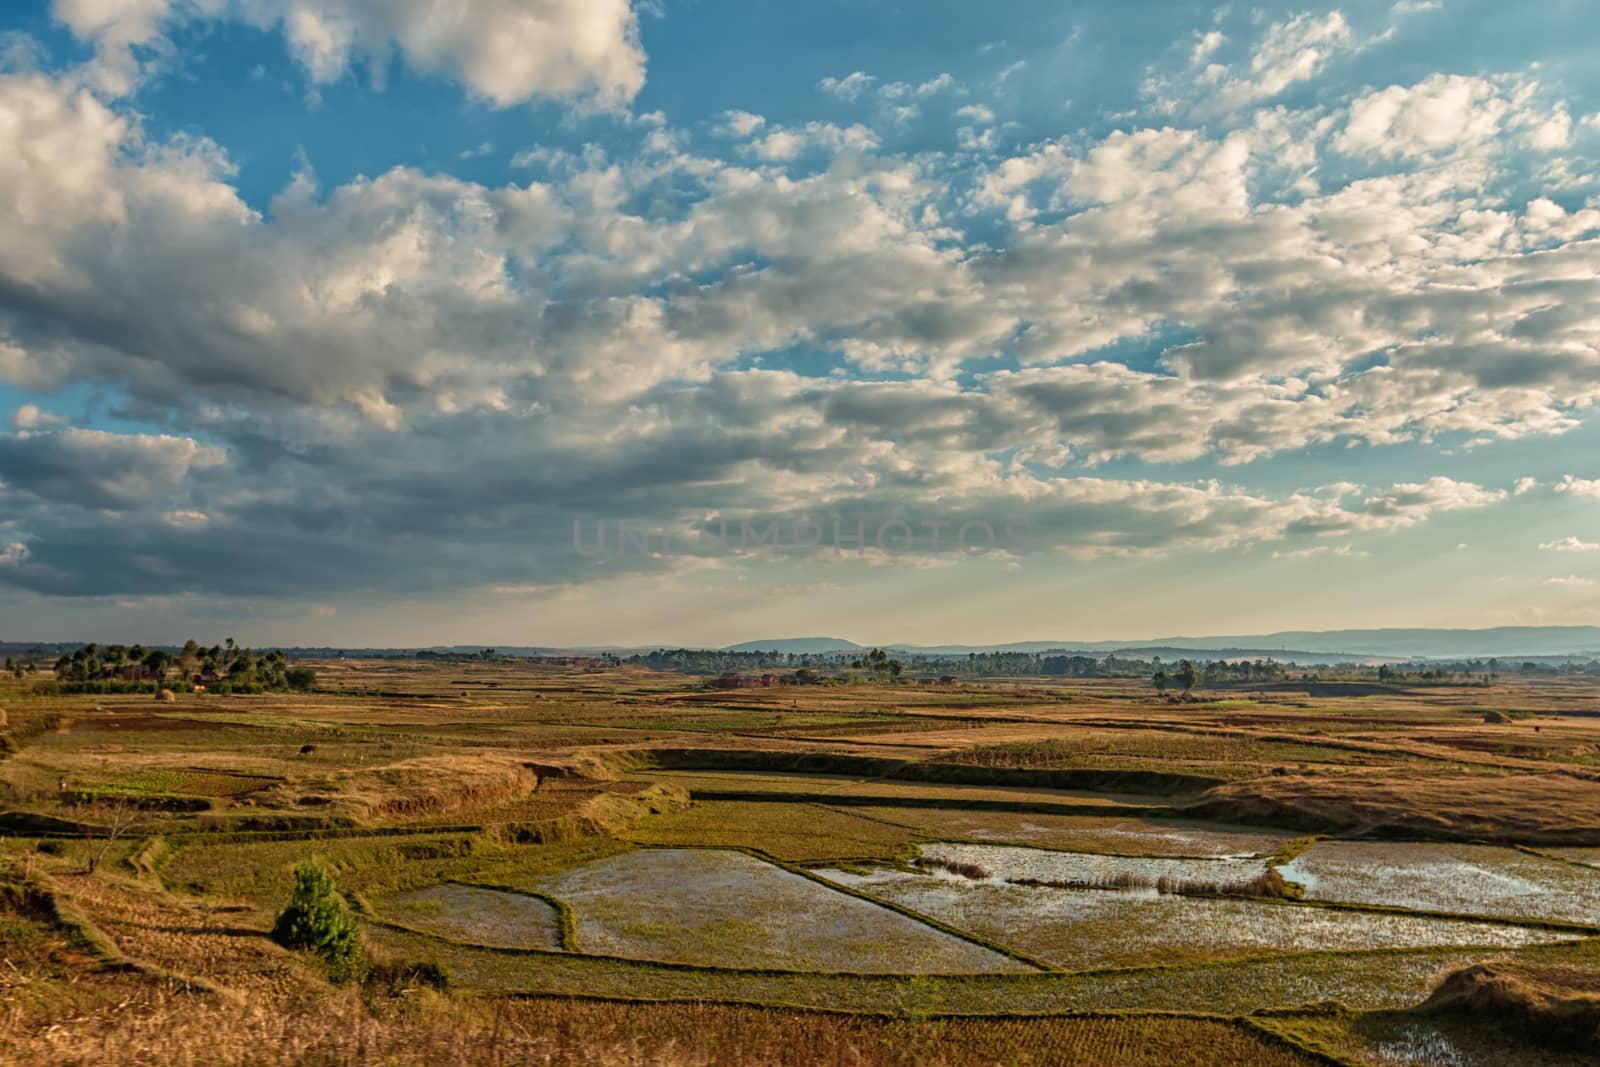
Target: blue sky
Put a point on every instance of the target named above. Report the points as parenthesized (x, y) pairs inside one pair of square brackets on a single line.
[(327, 322)]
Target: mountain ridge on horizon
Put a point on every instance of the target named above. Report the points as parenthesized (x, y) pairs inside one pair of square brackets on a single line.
[(1387, 642)]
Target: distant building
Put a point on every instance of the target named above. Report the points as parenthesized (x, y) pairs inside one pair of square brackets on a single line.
[(134, 672), (949, 679)]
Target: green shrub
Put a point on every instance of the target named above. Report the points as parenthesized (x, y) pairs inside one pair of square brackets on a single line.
[(317, 918), (300, 678)]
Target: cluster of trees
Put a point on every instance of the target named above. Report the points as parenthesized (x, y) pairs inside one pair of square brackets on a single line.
[(878, 663), (18, 668), (714, 661), (227, 668), (1184, 674)]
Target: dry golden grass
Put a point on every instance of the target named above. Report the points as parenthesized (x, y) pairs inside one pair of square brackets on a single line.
[(161, 1026), (1551, 808)]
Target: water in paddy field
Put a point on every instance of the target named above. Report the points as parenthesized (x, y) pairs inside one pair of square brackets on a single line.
[(1463, 879), (719, 907), (1088, 928), (1010, 863)]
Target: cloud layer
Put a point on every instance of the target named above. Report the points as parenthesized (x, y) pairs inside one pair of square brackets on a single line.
[(416, 379)]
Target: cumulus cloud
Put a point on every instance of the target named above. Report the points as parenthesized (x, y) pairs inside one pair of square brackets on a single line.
[(100, 469), (993, 331), (503, 51), (1588, 487), (849, 87), (1444, 112)]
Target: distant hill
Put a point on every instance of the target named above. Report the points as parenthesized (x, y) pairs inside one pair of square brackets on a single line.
[(1418, 643), (1165, 652), (1375, 645), (1278, 655), (800, 645)]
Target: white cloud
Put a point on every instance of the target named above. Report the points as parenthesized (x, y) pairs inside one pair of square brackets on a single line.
[(1579, 486), (598, 316), (506, 52), (1445, 112), (1010, 71), (31, 417), (1338, 551), (1570, 544), (187, 520), (849, 87), (740, 123), (782, 143), (1205, 45), (1295, 51), (1571, 580)]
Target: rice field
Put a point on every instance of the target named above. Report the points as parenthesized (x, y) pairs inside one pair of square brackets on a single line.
[(541, 833), (1360, 981), (1089, 929), (716, 907), (1014, 863), (1121, 835), (491, 917), (1461, 879)]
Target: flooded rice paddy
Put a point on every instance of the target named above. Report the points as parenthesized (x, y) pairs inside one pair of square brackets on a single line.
[(1464, 879), (1013, 863), (1086, 929), (1088, 833), (1074, 910), (717, 907)]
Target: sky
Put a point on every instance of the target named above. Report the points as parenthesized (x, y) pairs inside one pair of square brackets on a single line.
[(689, 322)]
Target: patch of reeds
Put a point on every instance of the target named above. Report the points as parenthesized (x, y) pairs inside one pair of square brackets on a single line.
[(1266, 884), (975, 871)]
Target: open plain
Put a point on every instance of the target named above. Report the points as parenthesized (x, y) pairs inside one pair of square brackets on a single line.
[(553, 862)]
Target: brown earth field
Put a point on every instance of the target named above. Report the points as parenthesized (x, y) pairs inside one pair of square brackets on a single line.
[(553, 864)]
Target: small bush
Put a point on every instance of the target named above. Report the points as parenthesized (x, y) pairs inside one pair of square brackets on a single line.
[(399, 977), (317, 918)]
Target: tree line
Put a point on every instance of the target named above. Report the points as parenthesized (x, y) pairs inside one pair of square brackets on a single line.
[(224, 668)]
